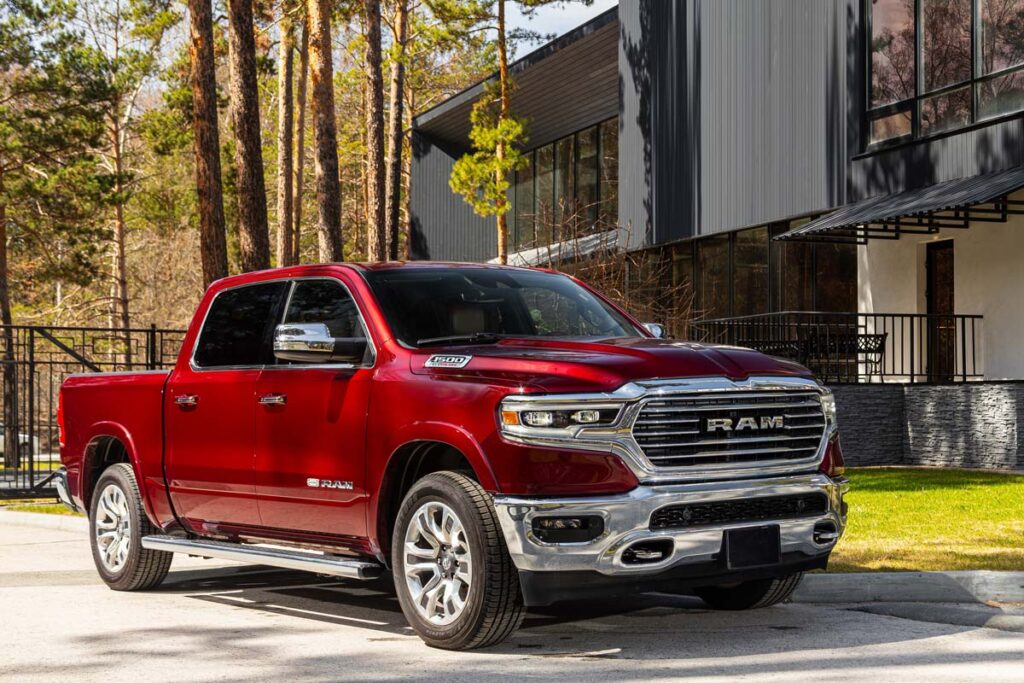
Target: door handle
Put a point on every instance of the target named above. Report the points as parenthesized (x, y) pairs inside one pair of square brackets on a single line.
[(273, 399), (186, 400)]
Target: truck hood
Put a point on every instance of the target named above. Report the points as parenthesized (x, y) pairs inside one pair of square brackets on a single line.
[(576, 366)]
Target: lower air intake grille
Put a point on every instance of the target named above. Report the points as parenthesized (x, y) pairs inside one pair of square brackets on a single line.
[(737, 511)]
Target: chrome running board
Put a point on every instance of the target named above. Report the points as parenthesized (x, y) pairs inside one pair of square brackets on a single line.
[(274, 557)]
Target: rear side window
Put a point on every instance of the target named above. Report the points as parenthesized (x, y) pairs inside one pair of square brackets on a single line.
[(237, 327)]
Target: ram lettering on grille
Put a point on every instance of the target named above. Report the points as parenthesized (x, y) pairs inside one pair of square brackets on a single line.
[(730, 427)]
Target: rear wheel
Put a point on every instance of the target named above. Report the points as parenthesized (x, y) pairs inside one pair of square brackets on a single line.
[(117, 523), (454, 578), (750, 594)]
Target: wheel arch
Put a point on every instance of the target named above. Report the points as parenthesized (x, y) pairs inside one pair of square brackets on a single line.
[(410, 462), (109, 444)]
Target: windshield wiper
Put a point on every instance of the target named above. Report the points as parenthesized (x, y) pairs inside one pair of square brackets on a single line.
[(476, 338)]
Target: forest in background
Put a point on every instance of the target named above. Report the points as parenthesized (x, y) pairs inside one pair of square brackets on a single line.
[(148, 147)]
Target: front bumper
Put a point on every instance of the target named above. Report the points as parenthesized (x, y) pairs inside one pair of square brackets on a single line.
[(627, 521)]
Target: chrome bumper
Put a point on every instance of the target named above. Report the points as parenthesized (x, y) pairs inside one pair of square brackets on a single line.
[(60, 482), (627, 521)]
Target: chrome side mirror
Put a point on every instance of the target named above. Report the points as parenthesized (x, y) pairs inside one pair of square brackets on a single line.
[(655, 329), (313, 343)]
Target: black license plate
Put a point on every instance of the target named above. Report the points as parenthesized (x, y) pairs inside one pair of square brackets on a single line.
[(752, 547)]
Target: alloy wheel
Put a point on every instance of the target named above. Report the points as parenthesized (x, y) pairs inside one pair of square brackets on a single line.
[(113, 528), (438, 563)]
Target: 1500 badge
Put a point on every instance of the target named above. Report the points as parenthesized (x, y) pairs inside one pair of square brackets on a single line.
[(447, 361), (329, 484)]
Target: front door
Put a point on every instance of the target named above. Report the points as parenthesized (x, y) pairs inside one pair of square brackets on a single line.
[(941, 323), (311, 426), (210, 409)]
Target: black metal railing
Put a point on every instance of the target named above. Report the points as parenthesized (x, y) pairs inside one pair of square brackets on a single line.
[(34, 360), (853, 348)]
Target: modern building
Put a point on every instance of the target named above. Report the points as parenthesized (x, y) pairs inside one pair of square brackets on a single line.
[(837, 181)]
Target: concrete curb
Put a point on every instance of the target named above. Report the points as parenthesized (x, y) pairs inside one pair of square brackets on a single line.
[(41, 520), (901, 587), (958, 586)]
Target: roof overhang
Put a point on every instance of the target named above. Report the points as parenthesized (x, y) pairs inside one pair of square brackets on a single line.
[(572, 73), (924, 211)]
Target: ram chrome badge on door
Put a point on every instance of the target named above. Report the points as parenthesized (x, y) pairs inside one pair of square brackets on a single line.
[(447, 361)]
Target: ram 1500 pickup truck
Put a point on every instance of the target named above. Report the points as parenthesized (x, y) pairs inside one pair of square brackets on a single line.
[(494, 438)]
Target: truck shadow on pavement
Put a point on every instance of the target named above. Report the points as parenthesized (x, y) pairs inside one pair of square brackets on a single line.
[(639, 627)]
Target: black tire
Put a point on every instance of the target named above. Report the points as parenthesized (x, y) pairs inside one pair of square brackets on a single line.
[(494, 605), (750, 594), (142, 569)]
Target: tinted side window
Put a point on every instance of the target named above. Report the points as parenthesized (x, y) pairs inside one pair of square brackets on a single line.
[(237, 326), (327, 302)]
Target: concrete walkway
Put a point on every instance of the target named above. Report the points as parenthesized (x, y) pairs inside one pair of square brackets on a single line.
[(245, 623)]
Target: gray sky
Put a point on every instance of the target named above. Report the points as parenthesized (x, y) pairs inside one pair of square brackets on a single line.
[(557, 20)]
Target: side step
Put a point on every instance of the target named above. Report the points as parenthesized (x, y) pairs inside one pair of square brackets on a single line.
[(274, 557)]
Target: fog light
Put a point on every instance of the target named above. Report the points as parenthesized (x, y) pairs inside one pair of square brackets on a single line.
[(567, 529), (539, 418)]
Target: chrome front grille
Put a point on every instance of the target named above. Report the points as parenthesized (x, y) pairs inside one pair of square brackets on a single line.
[(730, 427)]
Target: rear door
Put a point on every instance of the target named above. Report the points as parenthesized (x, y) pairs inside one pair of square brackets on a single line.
[(211, 407), (311, 425)]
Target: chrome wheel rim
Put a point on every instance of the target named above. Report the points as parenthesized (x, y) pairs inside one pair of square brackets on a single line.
[(438, 563), (113, 528)]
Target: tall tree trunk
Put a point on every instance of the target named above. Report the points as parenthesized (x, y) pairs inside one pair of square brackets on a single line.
[(396, 100), (284, 139), (406, 222), (206, 144), (119, 311), (253, 234), (300, 141), (376, 246), (10, 375), (502, 116), (325, 134)]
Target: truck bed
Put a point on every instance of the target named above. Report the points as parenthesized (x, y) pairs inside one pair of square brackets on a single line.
[(127, 406)]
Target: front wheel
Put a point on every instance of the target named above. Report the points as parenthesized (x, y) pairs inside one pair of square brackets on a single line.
[(750, 594), (454, 577), (117, 523)]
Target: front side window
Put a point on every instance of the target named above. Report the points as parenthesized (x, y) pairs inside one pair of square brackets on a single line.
[(424, 305), (327, 302), (238, 325), (940, 65)]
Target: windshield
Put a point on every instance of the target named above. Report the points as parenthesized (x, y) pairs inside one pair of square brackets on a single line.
[(480, 305)]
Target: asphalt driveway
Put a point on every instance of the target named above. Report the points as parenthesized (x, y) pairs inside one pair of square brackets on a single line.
[(242, 623)]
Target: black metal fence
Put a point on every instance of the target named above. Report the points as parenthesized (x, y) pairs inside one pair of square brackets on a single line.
[(853, 348), (34, 360)]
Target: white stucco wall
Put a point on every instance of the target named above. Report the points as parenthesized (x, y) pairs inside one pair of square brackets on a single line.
[(988, 264)]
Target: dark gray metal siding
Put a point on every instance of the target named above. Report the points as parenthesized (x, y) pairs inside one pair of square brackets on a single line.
[(444, 227), (658, 156), (987, 149), (732, 113), (772, 90)]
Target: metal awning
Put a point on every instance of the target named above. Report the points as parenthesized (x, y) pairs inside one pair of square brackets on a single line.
[(925, 211)]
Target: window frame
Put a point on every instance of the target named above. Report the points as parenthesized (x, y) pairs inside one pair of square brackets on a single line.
[(281, 310), (914, 104)]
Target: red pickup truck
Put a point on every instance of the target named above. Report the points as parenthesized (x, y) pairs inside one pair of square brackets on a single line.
[(495, 438)]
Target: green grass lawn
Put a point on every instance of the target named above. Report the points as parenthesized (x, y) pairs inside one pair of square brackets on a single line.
[(900, 520), (932, 519), (46, 506)]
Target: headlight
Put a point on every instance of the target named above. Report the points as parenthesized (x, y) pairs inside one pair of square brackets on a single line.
[(554, 420), (558, 419), (828, 407)]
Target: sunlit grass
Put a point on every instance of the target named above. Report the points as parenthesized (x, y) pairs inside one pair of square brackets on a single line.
[(45, 506), (932, 519)]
